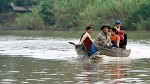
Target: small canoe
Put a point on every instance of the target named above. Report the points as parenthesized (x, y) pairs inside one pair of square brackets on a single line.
[(114, 52)]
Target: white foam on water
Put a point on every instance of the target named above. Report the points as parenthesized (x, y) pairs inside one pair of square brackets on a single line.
[(43, 48), (50, 48), (139, 51)]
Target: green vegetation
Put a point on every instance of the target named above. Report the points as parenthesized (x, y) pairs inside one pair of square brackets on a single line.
[(134, 14), (5, 4), (30, 19), (140, 19)]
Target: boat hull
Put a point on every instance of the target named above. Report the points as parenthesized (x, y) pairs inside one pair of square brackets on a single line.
[(114, 52)]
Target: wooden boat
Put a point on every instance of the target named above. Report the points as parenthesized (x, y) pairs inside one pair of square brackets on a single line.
[(113, 52)]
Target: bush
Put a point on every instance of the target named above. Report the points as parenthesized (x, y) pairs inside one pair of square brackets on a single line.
[(140, 19), (81, 13), (47, 12), (32, 19)]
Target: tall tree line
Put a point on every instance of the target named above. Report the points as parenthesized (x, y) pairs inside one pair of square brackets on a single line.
[(134, 14)]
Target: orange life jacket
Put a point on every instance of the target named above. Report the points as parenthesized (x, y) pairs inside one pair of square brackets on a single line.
[(114, 39)]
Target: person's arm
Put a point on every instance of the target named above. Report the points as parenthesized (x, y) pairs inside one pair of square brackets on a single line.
[(83, 38), (118, 40), (98, 40), (110, 44)]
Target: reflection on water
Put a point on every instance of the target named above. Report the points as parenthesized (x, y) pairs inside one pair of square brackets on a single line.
[(25, 70), (101, 73), (28, 60), (16, 70)]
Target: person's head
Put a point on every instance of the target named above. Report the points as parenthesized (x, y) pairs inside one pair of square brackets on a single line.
[(89, 30), (105, 28), (113, 31), (117, 23)]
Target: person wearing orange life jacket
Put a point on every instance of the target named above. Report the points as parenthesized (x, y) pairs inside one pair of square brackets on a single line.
[(122, 35), (115, 39)]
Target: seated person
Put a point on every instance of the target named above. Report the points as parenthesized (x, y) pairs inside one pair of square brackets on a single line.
[(86, 34), (115, 39), (88, 46), (103, 38), (123, 41)]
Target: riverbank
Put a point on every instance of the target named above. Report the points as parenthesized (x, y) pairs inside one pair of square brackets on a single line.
[(134, 35)]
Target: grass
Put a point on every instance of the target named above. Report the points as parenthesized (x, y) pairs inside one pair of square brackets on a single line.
[(134, 35)]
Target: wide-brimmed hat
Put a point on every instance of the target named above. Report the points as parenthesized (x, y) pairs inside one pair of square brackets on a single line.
[(105, 26)]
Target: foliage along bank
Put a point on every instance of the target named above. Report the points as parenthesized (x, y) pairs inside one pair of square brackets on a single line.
[(134, 14)]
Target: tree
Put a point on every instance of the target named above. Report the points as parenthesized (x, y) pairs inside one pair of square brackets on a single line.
[(27, 2), (140, 19), (46, 11), (4, 4)]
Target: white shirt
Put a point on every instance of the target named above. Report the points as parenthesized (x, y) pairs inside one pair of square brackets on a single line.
[(84, 36), (118, 29)]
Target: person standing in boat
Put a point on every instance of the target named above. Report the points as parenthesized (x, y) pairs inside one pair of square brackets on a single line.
[(88, 46), (120, 32), (115, 39), (103, 38)]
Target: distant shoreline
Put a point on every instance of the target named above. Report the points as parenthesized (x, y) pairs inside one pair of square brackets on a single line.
[(134, 35)]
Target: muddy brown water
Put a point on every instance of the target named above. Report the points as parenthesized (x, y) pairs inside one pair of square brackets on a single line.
[(44, 60)]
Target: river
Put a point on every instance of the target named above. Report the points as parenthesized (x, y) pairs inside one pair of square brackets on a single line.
[(47, 60)]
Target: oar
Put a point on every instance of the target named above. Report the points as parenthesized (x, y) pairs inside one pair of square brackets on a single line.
[(71, 43)]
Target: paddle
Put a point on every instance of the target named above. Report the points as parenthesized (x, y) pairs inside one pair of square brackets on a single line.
[(71, 43)]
